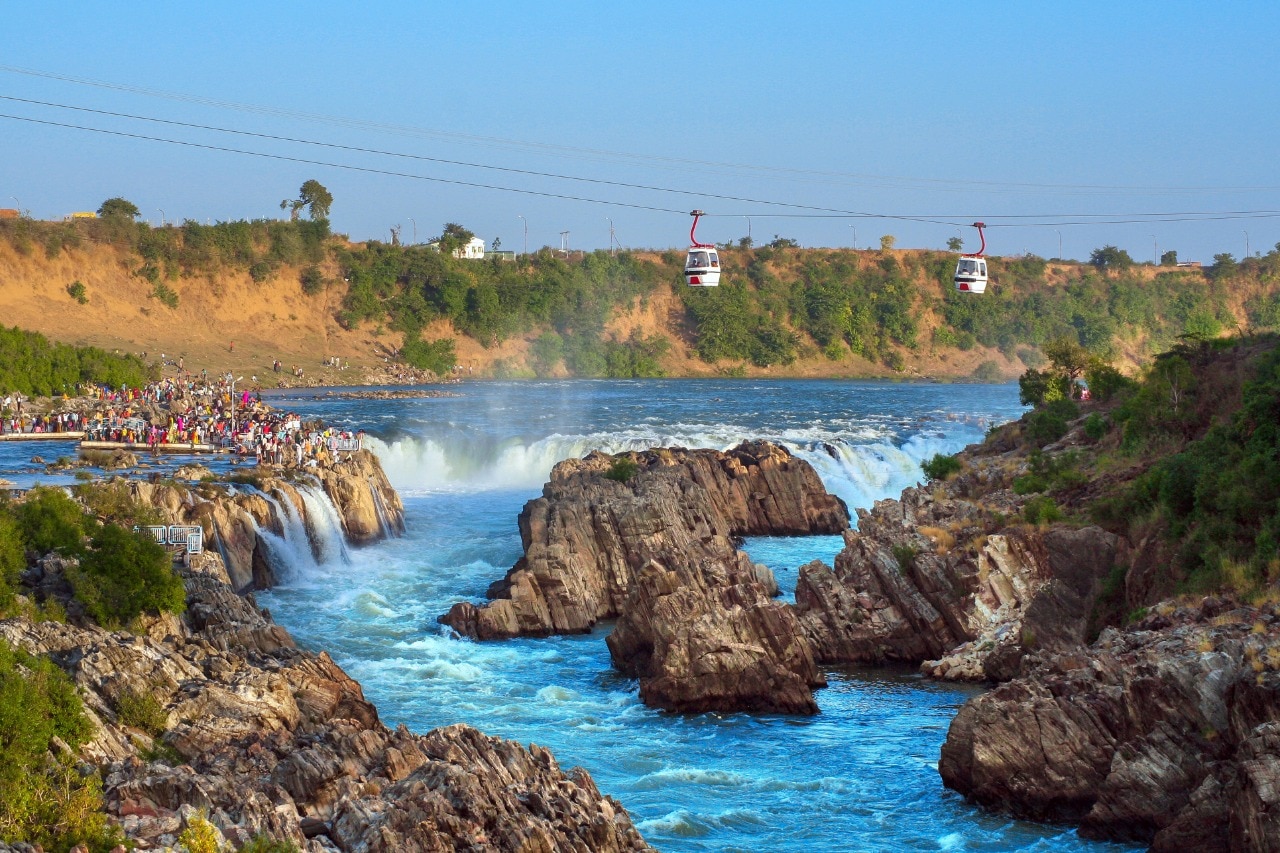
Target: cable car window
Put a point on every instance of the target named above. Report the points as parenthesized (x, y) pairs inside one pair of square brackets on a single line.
[(697, 259), (715, 259), (982, 267)]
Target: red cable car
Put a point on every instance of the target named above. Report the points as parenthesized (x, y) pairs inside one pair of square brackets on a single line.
[(971, 270), (702, 265)]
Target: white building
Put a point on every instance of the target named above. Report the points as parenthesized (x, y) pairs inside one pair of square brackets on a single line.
[(474, 248)]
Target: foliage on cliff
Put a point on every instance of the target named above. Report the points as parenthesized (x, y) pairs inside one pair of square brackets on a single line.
[(1184, 463), (44, 799), (117, 574), (776, 303), (30, 364)]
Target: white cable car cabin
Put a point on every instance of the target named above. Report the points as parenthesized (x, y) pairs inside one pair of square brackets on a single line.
[(971, 270), (971, 274), (702, 267), (702, 264)]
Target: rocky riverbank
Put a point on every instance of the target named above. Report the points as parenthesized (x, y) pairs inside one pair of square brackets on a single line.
[(267, 740)]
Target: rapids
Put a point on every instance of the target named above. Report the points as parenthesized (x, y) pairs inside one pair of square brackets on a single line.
[(861, 775)]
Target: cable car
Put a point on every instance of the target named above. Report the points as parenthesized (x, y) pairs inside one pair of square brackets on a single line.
[(971, 270), (702, 265)]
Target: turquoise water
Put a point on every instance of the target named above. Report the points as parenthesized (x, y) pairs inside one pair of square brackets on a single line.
[(861, 775)]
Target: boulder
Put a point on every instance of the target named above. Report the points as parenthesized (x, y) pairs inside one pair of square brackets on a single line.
[(1162, 734)]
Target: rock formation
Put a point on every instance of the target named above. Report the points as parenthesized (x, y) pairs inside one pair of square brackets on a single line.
[(940, 575), (1167, 733), (586, 539), (233, 519), (697, 623), (268, 739)]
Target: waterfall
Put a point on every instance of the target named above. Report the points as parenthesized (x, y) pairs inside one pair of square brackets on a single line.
[(328, 542), (384, 523)]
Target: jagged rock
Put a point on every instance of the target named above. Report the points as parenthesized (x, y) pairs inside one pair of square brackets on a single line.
[(697, 624), (279, 742), (925, 579), (713, 640), (588, 536), (1166, 737)]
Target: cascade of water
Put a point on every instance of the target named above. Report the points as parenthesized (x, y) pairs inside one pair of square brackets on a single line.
[(384, 524), (291, 551), (327, 539)]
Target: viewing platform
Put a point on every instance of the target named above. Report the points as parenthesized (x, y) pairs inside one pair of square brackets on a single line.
[(143, 447), (41, 436)]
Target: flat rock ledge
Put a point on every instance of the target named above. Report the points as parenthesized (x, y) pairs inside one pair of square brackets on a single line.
[(1166, 733), (697, 621), (267, 739)]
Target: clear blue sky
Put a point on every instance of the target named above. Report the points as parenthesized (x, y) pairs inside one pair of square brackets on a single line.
[(972, 110)]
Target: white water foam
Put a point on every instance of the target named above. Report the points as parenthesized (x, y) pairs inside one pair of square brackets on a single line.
[(861, 465)]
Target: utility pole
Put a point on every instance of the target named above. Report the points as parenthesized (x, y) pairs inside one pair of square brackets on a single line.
[(749, 240), (161, 209), (415, 230), (564, 243), (612, 252), (1155, 252), (1059, 243), (526, 233), (854, 230), (1246, 244)]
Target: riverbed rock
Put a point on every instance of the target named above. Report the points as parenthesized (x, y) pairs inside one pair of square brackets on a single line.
[(588, 536), (654, 547), (267, 739), (1165, 733), (370, 509), (940, 577)]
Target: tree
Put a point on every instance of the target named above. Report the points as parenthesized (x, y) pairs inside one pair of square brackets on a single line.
[(887, 241), (783, 243), (1224, 265), (745, 242), (1067, 357), (313, 196), (497, 242), (453, 238), (117, 206), (955, 244), (1110, 257), (1169, 259)]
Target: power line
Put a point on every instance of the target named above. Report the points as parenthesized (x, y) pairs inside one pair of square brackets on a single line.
[(807, 175), (348, 167), (828, 213)]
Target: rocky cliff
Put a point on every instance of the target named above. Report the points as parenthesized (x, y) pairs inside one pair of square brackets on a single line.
[(1166, 733), (945, 574), (270, 740), (655, 549)]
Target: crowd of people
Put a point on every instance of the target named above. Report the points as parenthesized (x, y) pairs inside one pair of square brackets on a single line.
[(188, 409)]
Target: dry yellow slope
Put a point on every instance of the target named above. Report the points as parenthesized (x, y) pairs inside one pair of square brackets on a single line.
[(276, 319)]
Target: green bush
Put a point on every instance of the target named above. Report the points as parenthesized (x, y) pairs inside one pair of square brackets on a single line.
[(200, 836), (941, 466), (312, 280), (125, 574), (142, 711), (77, 292), (622, 469), (1041, 510), (51, 521), (165, 294), (1095, 426), (1050, 423), (12, 559), (906, 555), (45, 800), (264, 844)]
